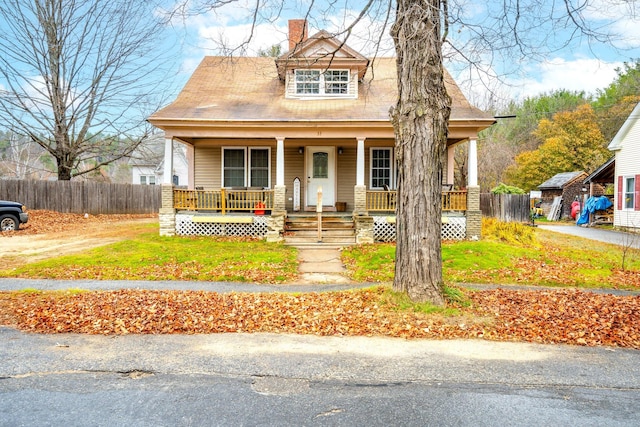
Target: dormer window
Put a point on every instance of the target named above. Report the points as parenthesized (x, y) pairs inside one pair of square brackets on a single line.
[(315, 82), (336, 81)]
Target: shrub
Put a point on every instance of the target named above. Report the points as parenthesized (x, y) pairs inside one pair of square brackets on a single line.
[(507, 189), (508, 232)]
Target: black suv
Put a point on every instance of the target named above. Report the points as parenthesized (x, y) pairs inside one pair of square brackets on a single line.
[(12, 214)]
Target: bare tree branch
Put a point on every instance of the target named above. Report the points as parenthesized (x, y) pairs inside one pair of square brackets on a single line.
[(72, 72)]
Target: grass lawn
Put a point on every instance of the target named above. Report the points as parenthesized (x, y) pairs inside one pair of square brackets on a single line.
[(153, 257), (519, 255), (507, 254)]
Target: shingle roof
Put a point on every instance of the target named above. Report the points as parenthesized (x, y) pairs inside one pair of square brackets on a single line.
[(248, 89), (560, 180)]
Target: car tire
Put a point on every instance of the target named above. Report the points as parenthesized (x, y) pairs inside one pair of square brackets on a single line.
[(8, 223)]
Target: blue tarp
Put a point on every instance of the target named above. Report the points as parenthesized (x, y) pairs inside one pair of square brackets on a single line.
[(593, 204)]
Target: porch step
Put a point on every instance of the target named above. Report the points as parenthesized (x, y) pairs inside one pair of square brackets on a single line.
[(338, 230)]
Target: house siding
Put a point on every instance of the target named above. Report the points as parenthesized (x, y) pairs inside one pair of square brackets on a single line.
[(627, 165), (208, 160), (346, 176)]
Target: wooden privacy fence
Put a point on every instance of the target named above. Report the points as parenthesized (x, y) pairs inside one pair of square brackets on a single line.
[(506, 207), (83, 196)]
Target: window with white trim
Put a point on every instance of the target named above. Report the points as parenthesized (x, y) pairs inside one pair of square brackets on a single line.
[(147, 180), (315, 82), (629, 192), (381, 173), (259, 167), (242, 170), (336, 82)]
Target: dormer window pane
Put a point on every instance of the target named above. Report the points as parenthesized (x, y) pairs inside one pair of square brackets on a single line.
[(308, 81), (336, 81)]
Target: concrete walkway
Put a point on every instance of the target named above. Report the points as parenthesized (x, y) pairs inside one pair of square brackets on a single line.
[(629, 240), (321, 266)]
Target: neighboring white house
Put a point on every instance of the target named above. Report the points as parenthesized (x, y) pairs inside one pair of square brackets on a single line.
[(626, 147), (147, 166)]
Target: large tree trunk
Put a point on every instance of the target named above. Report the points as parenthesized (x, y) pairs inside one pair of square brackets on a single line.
[(420, 121)]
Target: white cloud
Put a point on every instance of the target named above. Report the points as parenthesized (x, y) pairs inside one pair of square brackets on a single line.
[(217, 39), (580, 74), (621, 19)]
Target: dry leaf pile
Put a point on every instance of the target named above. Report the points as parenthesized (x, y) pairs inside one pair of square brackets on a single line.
[(44, 221), (562, 316)]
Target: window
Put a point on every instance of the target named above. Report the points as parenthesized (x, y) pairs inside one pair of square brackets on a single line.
[(629, 192), (381, 167), (242, 170), (233, 167), (259, 169), (308, 82), (320, 165), (147, 180), (336, 81), (330, 82), (176, 180)]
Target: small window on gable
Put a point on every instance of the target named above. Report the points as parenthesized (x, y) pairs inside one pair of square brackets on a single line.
[(314, 82), (336, 81), (308, 82)]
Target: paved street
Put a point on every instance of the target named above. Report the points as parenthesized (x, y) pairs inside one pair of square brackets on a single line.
[(290, 380), (608, 236), (278, 379)]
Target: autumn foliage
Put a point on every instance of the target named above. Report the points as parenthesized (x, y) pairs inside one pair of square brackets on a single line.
[(548, 316)]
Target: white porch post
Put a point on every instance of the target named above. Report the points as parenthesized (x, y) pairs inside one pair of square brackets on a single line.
[(280, 189), (360, 162), (168, 161), (450, 164), (472, 178), (280, 161)]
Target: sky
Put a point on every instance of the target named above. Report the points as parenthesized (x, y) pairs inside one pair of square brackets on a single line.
[(582, 65), (497, 77)]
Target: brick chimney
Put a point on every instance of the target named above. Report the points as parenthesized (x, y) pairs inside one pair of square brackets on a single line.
[(298, 32)]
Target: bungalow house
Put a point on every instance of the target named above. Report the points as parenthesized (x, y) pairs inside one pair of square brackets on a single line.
[(270, 140), (626, 147)]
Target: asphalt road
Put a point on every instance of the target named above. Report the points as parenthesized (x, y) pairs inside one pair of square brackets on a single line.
[(282, 380), (608, 236)]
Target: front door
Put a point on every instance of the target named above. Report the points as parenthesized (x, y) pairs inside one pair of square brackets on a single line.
[(321, 172)]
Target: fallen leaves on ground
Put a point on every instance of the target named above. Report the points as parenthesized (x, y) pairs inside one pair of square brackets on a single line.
[(554, 316), (44, 221), (229, 271)]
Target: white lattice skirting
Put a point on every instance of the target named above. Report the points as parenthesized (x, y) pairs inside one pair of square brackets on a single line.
[(186, 226), (453, 228)]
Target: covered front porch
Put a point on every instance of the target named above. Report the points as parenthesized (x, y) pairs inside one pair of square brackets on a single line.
[(343, 166)]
